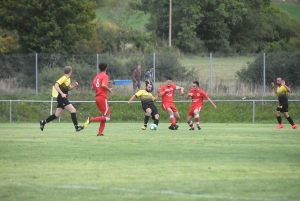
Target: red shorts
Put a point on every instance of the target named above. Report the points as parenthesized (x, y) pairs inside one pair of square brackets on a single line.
[(165, 106), (102, 106), (192, 108)]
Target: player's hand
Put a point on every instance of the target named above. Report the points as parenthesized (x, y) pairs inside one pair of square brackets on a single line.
[(272, 84), (64, 95), (75, 84), (282, 82), (214, 106), (109, 90), (167, 90), (129, 102), (182, 93)]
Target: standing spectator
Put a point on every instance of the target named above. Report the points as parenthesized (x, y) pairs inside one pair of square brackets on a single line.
[(282, 93), (149, 78), (63, 86), (100, 85), (167, 93), (147, 100), (136, 78), (197, 104)]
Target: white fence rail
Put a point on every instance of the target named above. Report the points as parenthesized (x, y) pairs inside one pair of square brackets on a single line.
[(216, 101)]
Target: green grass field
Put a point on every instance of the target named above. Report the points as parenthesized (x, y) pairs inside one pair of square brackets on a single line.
[(219, 162), (292, 9)]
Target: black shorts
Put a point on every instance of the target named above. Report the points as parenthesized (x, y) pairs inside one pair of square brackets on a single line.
[(282, 107), (62, 102), (154, 110)]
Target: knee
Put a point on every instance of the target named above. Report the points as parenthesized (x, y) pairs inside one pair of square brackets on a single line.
[(107, 118), (156, 116)]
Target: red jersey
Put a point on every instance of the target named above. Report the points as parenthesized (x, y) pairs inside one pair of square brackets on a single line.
[(100, 79), (198, 97), (168, 96)]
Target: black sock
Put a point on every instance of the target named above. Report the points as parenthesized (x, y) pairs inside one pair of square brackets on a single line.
[(74, 119), (279, 119), (146, 119), (290, 120), (50, 118), (156, 121)]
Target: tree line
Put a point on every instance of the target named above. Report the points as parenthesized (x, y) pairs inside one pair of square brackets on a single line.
[(230, 26)]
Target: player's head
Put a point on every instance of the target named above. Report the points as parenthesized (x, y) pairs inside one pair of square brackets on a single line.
[(169, 81), (68, 70), (148, 87), (195, 85), (278, 80), (102, 66)]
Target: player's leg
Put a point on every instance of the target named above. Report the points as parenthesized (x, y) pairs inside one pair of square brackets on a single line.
[(278, 117), (155, 115), (168, 110), (289, 118), (190, 122), (72, 110), (148, 112), (58, 113), (197, 117)]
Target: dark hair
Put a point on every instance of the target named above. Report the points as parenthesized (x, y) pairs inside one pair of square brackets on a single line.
[(169, 78), (196, 82), (102, 66)]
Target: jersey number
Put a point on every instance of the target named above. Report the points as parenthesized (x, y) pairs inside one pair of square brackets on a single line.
[(98, 83)]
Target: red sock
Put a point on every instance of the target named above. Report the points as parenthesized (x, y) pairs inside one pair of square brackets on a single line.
[(98, 119), (102, 126), (173, 121)]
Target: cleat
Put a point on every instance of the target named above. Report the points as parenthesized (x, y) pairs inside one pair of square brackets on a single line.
[(294, 126), (79, 128), (42, 125), (279, 126), (144, 128), (199, 128), (192, 128), (171, 127), (87, 122), (100, 134), (176, 127)]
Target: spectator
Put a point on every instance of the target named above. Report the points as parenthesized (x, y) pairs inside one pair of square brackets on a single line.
[(136, 78)]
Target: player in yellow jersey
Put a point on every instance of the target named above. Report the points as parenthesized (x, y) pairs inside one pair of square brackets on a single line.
[(63, 85), (147, 100), (282, 93)]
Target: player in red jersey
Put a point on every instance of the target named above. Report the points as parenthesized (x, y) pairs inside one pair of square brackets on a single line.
[(197, 104), (100, 85), (166, 92)]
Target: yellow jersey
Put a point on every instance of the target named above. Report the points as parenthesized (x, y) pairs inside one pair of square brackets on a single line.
[(146, 97), (64, 84), (282, 94)]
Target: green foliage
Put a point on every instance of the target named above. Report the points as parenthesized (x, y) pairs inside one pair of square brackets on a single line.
[(48, 26), (285, 65)]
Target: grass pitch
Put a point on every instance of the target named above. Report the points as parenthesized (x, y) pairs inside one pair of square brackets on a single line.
[(219, 162)]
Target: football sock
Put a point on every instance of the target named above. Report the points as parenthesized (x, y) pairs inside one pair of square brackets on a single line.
[(279, 119), (98, 119), (290, 120), (74, 119), (191, 124), (146, 119), (102, 126), (156, 121), (197, 119), (172, 119), (51, 118)]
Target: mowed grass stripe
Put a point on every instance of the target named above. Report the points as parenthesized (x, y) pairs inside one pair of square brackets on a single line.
[(220, 162)]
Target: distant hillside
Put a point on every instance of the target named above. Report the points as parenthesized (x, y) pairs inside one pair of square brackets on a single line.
[(290, 6)]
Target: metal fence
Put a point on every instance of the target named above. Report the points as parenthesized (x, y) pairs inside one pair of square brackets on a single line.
[(9, 110), (217, 72)]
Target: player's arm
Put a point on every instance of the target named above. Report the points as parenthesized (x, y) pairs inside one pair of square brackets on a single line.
[(131, 99), (189, 95), (161, 93), (104, 85), (283, 84), (274, 88), (181, 89), (56, 85), (73, 86), (212, 103)]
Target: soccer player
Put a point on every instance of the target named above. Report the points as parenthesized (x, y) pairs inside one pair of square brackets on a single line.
[(63, 85), (282, 92), (197, 96), (147, 100), (100, 85), (166, 92)]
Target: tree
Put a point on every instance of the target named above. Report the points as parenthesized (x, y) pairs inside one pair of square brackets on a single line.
[(48, 26)]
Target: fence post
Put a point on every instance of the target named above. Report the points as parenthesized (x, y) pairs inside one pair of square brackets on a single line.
[(36, 74), (10, 111), (264, 73), (210, 74), (253, 111), (97, 63), (154, 71)]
